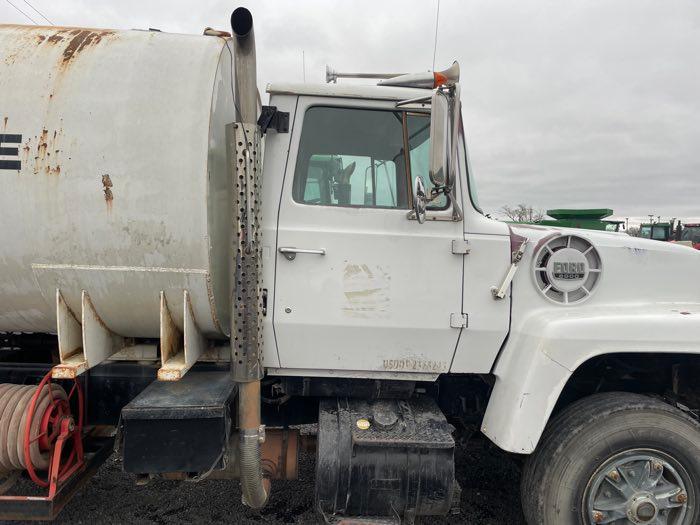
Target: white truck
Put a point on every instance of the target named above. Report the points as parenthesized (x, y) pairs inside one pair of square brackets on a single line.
[(195, 275)]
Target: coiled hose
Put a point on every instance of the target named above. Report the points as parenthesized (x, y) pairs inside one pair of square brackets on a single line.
[(14, 402)]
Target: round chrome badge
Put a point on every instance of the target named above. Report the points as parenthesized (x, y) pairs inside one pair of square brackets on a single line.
[(567, 269)]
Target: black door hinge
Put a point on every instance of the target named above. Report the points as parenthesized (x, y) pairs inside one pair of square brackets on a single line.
[(271, 118)]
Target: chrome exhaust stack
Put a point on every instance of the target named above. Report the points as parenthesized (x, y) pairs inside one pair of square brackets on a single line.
[(243, 139), (246, 88)]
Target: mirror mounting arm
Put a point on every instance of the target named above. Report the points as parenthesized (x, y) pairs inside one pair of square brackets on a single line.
[(446, 190)]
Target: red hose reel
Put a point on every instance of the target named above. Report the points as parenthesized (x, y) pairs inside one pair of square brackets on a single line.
[(39, 433)]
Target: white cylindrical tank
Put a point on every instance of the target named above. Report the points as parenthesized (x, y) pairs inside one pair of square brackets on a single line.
[(113, 176)]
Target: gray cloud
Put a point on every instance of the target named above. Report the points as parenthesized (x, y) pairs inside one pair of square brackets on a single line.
[(579, 103)]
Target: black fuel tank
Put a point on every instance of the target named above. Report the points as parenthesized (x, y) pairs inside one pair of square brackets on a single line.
[(385, 458)]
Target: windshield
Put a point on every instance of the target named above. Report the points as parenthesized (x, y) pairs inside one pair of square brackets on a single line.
[(660, 233)]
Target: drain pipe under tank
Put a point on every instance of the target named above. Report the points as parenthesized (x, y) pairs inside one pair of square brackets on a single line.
[(243, 138)]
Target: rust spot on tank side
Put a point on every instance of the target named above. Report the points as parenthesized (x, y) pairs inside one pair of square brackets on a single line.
[(55, 38), (5, 122), (46, 152), (42, 144), (107, 189), (67, 42), (82, 38)]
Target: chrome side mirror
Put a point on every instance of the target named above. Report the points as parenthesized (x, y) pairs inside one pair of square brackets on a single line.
[(439, 138), (420, 199)]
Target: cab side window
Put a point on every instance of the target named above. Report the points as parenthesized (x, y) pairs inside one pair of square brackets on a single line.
[(418, 131), (352, 157)]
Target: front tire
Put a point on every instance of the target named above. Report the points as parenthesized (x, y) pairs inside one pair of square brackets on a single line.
[(615, 458)]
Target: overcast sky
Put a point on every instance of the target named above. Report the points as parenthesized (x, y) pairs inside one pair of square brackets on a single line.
[(591, 103)]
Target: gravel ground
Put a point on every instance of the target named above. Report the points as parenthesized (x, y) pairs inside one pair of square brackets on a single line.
[(489, 481)]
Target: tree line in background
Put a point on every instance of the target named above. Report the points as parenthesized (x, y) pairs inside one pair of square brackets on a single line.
[(522, 213)]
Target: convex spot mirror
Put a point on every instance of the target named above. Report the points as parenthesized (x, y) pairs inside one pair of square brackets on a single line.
[(439, 138)]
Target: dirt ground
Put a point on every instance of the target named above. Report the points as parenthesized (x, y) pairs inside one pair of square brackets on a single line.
[(489, 481)]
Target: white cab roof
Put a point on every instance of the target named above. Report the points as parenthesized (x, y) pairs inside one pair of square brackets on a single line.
[(349, 91)]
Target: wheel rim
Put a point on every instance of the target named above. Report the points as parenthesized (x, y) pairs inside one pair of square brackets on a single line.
[(639, 487)]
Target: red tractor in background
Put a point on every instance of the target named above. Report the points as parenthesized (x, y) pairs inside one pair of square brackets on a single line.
[(687, 234), (691, 235), (675, 231)]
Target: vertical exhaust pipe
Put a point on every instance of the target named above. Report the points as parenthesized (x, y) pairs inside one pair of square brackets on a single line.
[(246, 364), (246, 88)]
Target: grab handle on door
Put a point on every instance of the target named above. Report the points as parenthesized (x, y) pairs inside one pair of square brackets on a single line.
[(290, 253)]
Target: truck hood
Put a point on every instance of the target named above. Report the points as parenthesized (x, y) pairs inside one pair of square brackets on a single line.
[(574, 267)]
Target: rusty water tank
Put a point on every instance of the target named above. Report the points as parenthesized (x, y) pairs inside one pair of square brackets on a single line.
[(113, 176)]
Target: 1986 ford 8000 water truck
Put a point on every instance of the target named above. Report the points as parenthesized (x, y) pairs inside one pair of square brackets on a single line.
[(189, 276)]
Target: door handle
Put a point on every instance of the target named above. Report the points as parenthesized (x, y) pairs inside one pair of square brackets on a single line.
[(290, 253)]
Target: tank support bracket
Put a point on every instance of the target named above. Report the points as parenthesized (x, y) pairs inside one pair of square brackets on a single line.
[(179, 350), (84, 344)]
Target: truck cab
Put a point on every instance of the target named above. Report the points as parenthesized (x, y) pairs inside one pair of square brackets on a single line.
[(339, 191)]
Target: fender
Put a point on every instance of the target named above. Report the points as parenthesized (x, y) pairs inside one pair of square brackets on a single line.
[(547, 347)]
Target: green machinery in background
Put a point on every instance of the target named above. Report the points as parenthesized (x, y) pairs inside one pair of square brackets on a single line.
[(587, 219), (658, 231)]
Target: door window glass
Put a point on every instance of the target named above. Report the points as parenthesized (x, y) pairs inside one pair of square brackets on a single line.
[(351, 157), (418, 125)]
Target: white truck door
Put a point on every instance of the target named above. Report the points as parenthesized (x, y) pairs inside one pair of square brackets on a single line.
[(359, 286)]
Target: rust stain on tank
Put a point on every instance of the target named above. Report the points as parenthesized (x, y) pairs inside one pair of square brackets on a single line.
[(82, 39), (107, 189), (72, 40), (46, 144), (42, 144)]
